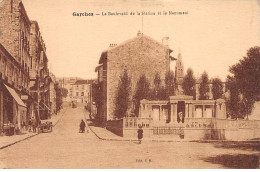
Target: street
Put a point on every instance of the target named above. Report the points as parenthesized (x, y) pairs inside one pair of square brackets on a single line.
[(66, 148)]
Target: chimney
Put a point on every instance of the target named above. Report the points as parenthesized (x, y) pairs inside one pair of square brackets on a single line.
[(139, 33), (165, 41), (112, 45)]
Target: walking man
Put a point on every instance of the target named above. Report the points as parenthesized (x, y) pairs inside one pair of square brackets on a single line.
[(140, 134), (82, 126)]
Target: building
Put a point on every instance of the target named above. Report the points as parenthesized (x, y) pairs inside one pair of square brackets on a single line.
[(67, 83), (13, 111), (39, 73), (24, 66), (141, 55), (81, 91), (15, 37)]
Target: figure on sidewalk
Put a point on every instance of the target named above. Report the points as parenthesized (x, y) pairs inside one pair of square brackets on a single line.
[(34, 125), (140, 134), (30, 125), (82, 126)]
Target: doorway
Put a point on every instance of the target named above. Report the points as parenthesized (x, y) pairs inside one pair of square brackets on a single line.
[(180, 111)]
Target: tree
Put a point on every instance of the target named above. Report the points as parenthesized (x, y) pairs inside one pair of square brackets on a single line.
[(234, 99), (142, 92), (59, 95), (217, 88), (204, 86), (189, 84), (158, 91), (246, 75), (169, 84), (123, 96), (64, 92)]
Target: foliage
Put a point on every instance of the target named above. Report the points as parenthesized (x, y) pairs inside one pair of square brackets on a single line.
[(234, 98), (122, 96), (158, 92), (169, 84), (204, 86), (59, 96), (217, 88), (246, 74), (189, 84), (142, 92), (97, 98), (64, 92)]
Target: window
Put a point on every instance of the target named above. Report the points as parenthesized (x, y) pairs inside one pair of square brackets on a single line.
[(82, 93), (77, 94)]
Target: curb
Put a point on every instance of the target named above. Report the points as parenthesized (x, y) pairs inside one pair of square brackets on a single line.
[(90, 127), (18, 141), (8, 145)]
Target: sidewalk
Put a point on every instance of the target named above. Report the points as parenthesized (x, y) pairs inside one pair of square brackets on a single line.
[(6, 141)]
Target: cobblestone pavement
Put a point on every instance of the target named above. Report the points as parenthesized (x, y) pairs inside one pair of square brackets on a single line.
[(65, 147)]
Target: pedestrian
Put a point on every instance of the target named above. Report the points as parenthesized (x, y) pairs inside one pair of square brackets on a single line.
[(30, 124), (82, 126), (140, 134), (24, 126), (34, 125)]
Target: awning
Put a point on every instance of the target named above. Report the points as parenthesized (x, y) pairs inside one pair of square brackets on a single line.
[(15, 96)]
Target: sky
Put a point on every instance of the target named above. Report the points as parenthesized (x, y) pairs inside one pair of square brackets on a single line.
[(211, 37)]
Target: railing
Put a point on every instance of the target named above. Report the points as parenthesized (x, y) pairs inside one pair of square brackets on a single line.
[(199, 123), (168, 130), (135, 122), (220, 123)]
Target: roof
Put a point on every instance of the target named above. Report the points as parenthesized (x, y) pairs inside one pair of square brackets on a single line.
[(81, 82), (104, 53)]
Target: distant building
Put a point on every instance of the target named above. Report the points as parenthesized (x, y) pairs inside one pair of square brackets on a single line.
[(67, 83), (140, 55), (81, 91)]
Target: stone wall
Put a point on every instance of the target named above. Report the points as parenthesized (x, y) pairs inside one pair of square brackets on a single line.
[(138, 56)]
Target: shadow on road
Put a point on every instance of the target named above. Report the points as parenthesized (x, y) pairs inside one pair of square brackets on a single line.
[(238, 161), (247, 145)]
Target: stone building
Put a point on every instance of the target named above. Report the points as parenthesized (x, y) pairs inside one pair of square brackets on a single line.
[(39, 75), (15, 37), (21, 38), (140, 55)]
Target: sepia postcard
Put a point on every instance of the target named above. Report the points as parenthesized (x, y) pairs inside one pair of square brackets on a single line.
[(122, 84)]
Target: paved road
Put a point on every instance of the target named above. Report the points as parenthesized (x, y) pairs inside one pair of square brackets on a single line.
[(65, 147)]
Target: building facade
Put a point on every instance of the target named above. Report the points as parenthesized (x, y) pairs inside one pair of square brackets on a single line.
[(25, 79), (14, 113), (81, 91), (141, 55), (67, 83)]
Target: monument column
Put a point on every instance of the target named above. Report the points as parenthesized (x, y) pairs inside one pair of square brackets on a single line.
[(190, 110), (172, 109), (204, 111), (174, 119), (186, 110)]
